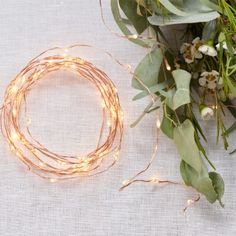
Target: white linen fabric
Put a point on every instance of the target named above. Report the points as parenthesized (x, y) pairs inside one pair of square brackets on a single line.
[(65, 116)]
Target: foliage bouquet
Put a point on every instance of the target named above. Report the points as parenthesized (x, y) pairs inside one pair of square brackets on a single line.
[(200, 73)]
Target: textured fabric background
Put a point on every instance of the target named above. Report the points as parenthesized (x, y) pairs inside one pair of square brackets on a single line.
[(65, 116)]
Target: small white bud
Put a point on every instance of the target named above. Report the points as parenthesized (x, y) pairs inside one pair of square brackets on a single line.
[(208, 50), (207, 113)]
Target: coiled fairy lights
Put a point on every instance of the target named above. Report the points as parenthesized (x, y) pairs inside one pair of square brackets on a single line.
[(33, 154)]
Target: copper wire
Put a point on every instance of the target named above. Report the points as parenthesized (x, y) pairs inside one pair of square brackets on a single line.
[(154, 98), (32, 153), (148, 40)]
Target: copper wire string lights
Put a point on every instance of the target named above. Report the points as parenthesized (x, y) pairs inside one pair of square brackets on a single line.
[(33, 154)]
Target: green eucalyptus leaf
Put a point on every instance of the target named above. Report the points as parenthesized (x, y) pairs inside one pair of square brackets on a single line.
[(209, 30), (172, 8), (192, 168), (154, 89), (201, 148), (169, 99), (155, 106), (186, 145), (146, 110), (126, 21), (211, 5), (232, 152), (221, 37), (218, 184), (147, 70), (167, 127), (231, 128), (181, 95), (232, 86), (200, 181), (196, 12), (173, 19), (130, 9), (142, 3), (125, 30)]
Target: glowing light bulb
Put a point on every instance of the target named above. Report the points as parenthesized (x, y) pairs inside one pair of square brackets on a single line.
[(14, 89), (116, 155), (113, 113), (81, 61), (103, 104), (52, 180), (23, 79), (158, 123), (41, 164), (50, 62), (125, 182), (35, 76), (168, 67), (105, 89), (215, 107), (65, 52), (14, 112), (12, 148), (62, 163), (134, 36), (128, 67), (101, 154), (73, 66), (189, 202), (154, 179), (14, 136), (18, 154)]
